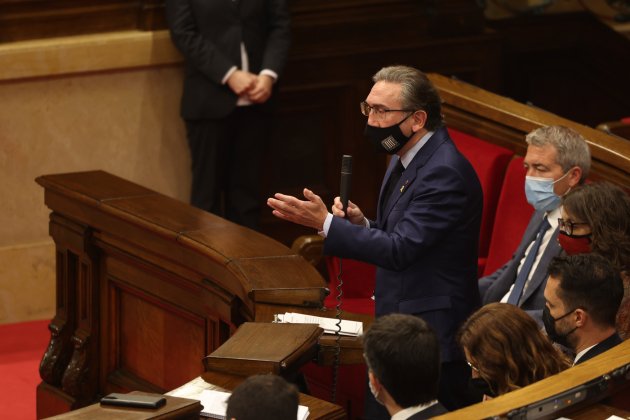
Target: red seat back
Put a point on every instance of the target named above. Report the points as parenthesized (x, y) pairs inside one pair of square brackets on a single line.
[(358, 279), (490, 162), (512, 216)]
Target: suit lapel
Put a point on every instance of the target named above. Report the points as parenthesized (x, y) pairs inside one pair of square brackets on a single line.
[(540, 275), (388, 173), (410, 173)]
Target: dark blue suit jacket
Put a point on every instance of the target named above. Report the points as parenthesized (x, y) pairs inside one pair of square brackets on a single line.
[(496, 285), (424, 241)]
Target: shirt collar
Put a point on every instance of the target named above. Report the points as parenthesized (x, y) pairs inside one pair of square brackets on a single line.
[(582, 353), (411, 153), (552, 217), (405, 413)]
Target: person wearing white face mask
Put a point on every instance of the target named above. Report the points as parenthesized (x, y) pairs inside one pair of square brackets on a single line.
[(402, 354), (557, 160)]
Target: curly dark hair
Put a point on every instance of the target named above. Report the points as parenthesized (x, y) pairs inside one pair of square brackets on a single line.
[(606, 209), (508, 349)]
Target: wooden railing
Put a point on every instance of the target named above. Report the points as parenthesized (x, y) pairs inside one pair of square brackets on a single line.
[(505, 122), (610, 370)]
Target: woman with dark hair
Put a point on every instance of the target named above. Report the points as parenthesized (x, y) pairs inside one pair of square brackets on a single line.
[(506, 349), (596, 218)]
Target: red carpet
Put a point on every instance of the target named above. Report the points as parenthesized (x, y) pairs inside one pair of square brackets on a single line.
[(22, 346)]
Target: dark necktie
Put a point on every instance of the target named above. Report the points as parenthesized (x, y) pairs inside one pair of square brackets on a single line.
[(391, 182), (521, 279)]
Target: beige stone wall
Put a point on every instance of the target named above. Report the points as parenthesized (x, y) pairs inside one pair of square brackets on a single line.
[(74, 104)]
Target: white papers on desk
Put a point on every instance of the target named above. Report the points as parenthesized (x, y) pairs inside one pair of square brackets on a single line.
[(193, 389), (215, 405), (351, 328)]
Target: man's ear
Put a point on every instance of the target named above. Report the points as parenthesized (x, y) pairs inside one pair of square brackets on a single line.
[(419, 120), (575, 175), (581, 316)]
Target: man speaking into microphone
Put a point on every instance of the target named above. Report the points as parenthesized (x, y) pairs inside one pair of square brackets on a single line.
[(424, 239)]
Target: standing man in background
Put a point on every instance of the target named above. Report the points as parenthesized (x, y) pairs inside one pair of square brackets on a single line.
[(234, 52), (424, 239)]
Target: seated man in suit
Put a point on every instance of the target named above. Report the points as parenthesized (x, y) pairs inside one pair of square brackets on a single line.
[(263, 397), (557, 160), (582, 295), (403, 359)]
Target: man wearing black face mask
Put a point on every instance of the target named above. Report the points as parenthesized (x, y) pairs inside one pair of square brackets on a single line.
[(582, 295), (424, 239)]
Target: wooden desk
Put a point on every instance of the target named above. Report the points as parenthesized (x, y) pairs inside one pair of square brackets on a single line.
[(175, 408), (351, 347), (137, 270)]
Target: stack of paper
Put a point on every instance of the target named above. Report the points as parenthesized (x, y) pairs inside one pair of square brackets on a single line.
[(215, 405), (351, 328)]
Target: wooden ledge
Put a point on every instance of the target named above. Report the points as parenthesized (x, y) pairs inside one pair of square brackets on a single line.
[(86, 54)]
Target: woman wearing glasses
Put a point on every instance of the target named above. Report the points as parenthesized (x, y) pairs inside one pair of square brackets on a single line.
[(596, 218), (506, 350)]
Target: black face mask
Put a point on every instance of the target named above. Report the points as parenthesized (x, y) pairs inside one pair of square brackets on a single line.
[(481, 387), (550, 327), (387, 139)]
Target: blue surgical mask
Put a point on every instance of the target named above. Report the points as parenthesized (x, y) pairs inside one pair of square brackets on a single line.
[(539, 192)]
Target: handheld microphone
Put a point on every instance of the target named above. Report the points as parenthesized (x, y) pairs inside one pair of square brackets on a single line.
[(346, 178)]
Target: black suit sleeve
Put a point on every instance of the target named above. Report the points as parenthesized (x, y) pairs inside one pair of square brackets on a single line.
[(198, 51), (278, 40)]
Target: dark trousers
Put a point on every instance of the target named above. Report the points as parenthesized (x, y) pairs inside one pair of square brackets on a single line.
[(226, 157), (453, 391)]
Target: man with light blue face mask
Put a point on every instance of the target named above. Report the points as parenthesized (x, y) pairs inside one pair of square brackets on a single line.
[(557, 160)]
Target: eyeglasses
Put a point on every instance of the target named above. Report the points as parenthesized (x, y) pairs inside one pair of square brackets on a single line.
[(472, 367), (378, 113), (567, 226)]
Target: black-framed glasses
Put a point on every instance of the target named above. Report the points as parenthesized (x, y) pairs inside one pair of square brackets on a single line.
[(567, 226), (379, 113)]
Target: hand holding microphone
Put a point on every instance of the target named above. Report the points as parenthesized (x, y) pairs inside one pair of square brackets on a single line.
[(342, 206)]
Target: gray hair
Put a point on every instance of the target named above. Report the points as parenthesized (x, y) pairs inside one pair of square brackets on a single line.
[(417, 92), (572, 149)]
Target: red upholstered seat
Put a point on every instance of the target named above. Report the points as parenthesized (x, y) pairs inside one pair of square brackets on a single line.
[(512, 216), (490, 162), (358, 285)]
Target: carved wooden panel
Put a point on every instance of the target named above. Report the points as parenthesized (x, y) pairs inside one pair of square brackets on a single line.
[(154, 332), (74, 330)]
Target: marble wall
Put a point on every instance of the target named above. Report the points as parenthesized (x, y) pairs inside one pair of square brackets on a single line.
[(98, 102)]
